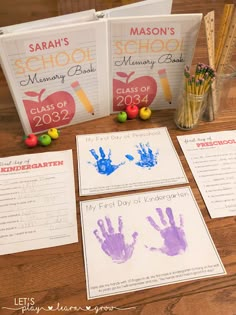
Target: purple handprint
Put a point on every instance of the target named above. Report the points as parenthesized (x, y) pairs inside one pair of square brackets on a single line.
[(113, 243), (173, 236)]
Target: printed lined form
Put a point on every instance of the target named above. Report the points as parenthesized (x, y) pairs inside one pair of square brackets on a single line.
[(37, 202), (212, 159)]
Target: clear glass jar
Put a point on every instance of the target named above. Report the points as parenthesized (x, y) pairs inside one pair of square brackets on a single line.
[(190, 110), (222, 95), (225, 88)]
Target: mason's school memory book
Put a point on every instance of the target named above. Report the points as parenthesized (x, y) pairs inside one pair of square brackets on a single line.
[(147, 58), (83, 66)]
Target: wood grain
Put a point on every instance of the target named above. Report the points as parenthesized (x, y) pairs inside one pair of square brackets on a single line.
[(57, 274)]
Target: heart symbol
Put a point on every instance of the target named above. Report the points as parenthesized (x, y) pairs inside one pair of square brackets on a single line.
[(140, 91), (56, 110), (50, 308), (88, 308)]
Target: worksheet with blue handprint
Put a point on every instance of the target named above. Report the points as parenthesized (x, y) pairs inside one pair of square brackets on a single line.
[(142, 240), (127, 160)]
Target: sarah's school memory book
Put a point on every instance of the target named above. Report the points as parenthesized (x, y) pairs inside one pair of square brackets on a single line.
[(82, 66)]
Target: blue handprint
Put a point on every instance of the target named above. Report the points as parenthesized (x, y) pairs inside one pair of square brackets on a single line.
[(104, 164), (148, 159), (173, 236), (113, 243)]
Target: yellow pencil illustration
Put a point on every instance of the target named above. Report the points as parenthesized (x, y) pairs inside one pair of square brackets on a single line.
[(165, 85), (82, 97)]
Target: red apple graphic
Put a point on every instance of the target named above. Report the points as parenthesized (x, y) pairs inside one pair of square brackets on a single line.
[(140, 91), (56, 110)]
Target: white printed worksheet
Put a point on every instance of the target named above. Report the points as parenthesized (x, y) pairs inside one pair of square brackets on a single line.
[(37, 201), (139, 241), (127, 160), (212, 159)]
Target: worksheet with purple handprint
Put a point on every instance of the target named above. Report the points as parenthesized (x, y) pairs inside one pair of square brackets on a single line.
[(127, 160), (138, 241)]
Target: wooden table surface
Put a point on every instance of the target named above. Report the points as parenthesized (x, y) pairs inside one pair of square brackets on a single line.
[(57, 274)]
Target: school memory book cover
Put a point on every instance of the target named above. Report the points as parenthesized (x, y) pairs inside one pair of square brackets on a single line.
[(83, 66), (56, 74), (147, 58)]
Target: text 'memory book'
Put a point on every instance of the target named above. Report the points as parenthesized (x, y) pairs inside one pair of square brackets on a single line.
[(83, 66)]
